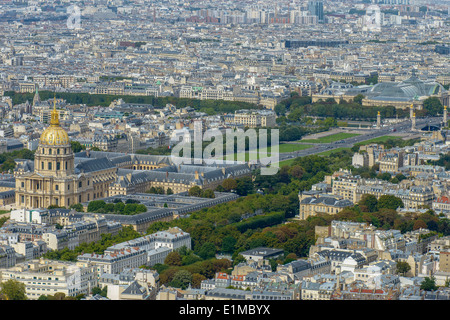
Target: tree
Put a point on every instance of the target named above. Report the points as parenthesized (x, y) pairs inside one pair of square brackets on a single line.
[(13, 290), (195, 191), (244, 186), (358, 99), (403, 267), (368, 203), (167, 275), (78, 207), (197, 280), (296, 172), (76, 146), (8, 165), (419, 224), (432, 106), (428, 284), (208, 193), (95, 205), (290, 257), (238, 259), (228, 244), (207, 251), (189, 259), (173, 259), (118, 207), (97, 290), (390, 202), (229, 184), (181, 279)]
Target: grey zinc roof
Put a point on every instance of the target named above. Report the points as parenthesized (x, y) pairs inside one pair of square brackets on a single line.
[(299, 265), (92, 165), (134, 288), (329, 201)]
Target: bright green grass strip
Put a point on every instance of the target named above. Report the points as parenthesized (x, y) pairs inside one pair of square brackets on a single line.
[(331, 138), (327, 153), (291, 147), (286, 162)]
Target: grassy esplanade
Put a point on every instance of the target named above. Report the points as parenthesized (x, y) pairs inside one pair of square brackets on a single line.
[(330, 138)]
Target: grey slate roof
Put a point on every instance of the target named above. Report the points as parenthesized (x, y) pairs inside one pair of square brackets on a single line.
[(92, 165), (329, 201)]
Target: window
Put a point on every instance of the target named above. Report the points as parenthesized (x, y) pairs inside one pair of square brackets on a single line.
[(58, 165), (80, 184), (49, 166), (22, 184), (57, 151), (49, 151), (56, 187)]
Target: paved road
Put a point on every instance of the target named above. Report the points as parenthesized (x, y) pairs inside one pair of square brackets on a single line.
[(401, 127)]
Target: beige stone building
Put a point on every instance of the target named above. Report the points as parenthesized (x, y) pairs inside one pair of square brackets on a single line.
[(255, 118), (313, 204), (53, 181), (46, 277)]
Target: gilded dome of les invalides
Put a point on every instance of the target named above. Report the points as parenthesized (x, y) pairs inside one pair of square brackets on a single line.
[(54, 135)]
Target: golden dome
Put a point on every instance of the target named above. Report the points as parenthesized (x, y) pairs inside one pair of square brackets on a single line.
[(54, 135)]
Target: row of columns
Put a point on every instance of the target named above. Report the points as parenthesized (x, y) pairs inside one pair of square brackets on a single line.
[(412, 116)]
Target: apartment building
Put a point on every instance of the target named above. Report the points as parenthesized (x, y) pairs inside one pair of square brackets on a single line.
[(255, 118), (312, 203), (391, 162), (117, 261), (345, 187), (157, 245), (110, 88), (7, 256), (47, 277)]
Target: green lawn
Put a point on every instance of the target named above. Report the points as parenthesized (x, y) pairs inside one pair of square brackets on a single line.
[(286, 162), (291, 147), (326, 153), (4, 211), (331, 138)]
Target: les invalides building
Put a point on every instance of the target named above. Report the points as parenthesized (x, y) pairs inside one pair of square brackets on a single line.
[(53, 181)]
